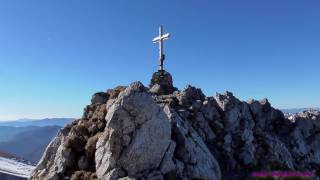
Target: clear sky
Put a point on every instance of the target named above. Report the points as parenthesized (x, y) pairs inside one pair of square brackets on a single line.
[(54, 54)]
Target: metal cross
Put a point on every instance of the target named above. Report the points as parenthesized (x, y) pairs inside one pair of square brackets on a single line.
[(160, 40)]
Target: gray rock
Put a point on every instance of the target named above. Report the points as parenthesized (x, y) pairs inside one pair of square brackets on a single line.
[(155, 175), (264, 114), (128, 178), (167, 164), (275, 151), (247, 136), (55, 159), (100, 97), (196, 105), (201, 125), (156, 89), (83, 163), (227, 143), (300, 148), (114, 174), (184, 113), (315, 149), (234, 110), (190, 95), (247, 154), (193, 151), (210, 111), (136, 114)]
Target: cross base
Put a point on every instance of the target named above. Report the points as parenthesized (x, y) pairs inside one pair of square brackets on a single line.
[(161, 59)]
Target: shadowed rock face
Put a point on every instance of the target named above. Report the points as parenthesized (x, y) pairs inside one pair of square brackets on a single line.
[(135, 133)]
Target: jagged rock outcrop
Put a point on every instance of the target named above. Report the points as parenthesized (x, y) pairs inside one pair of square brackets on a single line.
[(160, 132), (136, 136)]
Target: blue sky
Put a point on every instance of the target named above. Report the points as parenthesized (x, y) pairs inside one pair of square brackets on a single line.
[(54, 54)]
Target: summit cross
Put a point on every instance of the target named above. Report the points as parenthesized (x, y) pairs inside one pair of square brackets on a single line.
[(159, 39)]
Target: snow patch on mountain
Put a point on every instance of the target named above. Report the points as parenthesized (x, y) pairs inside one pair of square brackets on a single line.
[(16, 168)]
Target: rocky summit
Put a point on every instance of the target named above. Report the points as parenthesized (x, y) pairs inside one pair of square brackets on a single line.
[(160, 132)]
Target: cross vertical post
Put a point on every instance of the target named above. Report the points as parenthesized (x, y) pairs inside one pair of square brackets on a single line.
[(161, 57), (160, 40)]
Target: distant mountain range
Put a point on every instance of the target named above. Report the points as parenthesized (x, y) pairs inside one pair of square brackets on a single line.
[(37, 122), (23, 141), (30, 144), (297, 110), (28, 138), (8, 133)]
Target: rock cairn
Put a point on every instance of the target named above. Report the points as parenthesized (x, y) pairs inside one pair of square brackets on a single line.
[(161, 83)]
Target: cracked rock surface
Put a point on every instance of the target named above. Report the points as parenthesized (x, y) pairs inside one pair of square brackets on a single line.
[(135, 132)]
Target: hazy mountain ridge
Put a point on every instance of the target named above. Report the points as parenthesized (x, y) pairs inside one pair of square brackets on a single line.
[(8, 155), (30, 144), (9, 132), (297, 110), (22, 142), (37, 122), (28, 138)]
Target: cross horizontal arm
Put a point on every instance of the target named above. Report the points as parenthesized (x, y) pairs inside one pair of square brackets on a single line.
[(163, 37), (156, 39), (166, 35)]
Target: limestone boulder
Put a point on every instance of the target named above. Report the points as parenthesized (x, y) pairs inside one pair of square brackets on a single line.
[(191, 97), (57, 158), (137, 134)]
